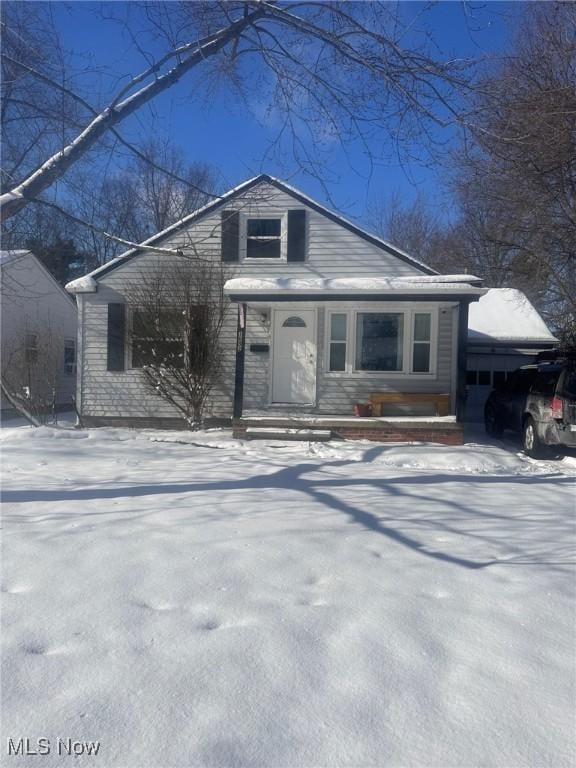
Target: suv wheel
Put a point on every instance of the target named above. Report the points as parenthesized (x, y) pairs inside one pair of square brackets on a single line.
[(531, 443), (491, 422)]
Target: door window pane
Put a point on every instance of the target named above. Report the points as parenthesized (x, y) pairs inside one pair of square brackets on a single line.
[(294, 322), (379, 341)]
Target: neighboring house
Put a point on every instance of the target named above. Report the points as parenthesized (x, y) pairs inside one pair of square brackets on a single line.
[(322, 316), (504, 332), (39, 326)]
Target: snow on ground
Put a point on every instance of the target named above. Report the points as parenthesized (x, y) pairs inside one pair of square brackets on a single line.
[(189, 600)]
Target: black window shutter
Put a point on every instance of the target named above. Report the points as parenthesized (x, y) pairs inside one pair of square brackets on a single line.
[(116, 334), (297, 235), (230, 235)]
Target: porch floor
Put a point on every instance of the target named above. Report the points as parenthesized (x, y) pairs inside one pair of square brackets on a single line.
[(282, 418), (435, 429)]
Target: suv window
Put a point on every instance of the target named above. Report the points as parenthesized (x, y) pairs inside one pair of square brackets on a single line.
[(545, 382), (520, 381), (570, 383)]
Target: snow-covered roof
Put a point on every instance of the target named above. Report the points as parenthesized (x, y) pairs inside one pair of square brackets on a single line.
[(353, 286), (10, 255), (29, 264), (505, 314), (75, 286)]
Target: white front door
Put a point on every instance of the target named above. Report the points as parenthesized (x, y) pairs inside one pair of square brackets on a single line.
[(294, 369)]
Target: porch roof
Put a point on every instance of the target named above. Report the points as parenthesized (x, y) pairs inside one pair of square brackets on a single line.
[(421, 287)]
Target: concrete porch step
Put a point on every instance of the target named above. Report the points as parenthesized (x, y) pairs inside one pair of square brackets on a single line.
[(278, 433)]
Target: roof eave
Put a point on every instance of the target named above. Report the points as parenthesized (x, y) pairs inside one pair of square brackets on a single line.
[(242, 296)]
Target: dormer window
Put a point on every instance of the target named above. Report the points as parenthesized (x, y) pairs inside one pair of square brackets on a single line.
[(264, 238)]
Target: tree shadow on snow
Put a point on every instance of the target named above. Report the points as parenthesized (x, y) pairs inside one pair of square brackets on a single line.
[(294, 478)]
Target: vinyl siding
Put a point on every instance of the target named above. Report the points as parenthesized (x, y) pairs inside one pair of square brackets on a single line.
[(332, 251), (33, 302)]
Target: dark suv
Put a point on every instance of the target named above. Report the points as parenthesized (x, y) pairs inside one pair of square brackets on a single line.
[(540, 402)]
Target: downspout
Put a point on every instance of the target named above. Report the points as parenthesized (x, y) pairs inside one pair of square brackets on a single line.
[(240, 348), (462, 360), (80, 355)]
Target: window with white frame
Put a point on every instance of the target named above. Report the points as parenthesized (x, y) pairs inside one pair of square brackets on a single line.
[(264, 238), (379, 341), (421, 342), (400, 341), (338, 341), (157, 338)]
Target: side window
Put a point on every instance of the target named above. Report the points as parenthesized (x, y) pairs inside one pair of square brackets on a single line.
[(569, 388), (338, 336), (520, 381), (421, 342), (545, 382), (69, 356), (471, 378)]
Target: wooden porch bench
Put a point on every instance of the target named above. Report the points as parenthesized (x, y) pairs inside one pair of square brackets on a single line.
[(440, 402)]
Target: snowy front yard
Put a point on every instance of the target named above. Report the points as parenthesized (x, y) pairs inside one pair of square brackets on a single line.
[(188, 600)]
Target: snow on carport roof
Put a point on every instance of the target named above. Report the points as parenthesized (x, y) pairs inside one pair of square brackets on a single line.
[(505, 314)]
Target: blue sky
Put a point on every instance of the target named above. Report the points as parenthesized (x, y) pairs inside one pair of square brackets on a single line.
[(221, 132)]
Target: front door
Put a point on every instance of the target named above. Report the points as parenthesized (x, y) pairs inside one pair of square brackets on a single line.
[(294, 369)]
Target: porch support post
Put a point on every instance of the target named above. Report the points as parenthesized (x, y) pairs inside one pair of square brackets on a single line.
[(462, 360), (240, 347)]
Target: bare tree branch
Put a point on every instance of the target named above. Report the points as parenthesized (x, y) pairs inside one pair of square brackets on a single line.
[(13, 201)]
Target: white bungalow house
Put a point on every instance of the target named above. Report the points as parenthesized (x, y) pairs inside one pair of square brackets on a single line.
[(322, 316), (38, 327)]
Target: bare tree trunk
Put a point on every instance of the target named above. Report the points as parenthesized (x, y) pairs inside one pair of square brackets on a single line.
[(19, 406)]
